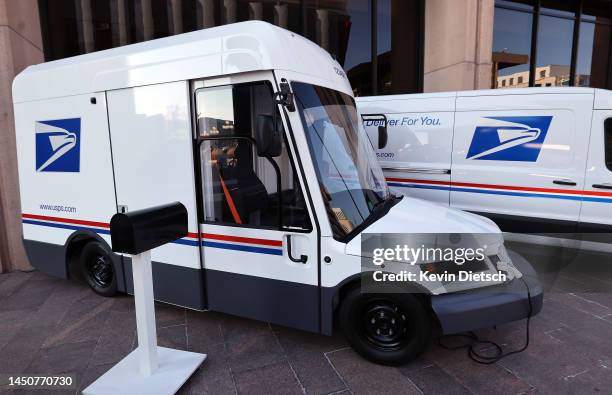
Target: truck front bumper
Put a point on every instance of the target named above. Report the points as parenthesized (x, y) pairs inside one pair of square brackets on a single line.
[(490, 306)]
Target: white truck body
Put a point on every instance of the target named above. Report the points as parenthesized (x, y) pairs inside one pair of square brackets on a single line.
[(168, 120), (535, 160)]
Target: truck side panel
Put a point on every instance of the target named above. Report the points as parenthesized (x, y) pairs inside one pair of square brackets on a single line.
[(65, 174), (522, 157)]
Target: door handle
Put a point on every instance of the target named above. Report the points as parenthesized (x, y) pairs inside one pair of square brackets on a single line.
[(565, 182), (602, 186), (301, 259)]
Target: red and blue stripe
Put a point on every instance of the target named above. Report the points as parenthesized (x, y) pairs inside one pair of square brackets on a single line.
[(239, 243), (66, 223), (211, 240), (504, 190)]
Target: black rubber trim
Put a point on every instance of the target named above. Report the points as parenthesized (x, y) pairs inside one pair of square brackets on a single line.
[(523, 224), (490, 306), (279, 302), (178, 285), (573, 230)]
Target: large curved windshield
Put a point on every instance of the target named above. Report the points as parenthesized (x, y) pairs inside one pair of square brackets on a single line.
[(351, 180)]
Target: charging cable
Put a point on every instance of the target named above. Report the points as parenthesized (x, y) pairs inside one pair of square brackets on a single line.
[(473, 341)]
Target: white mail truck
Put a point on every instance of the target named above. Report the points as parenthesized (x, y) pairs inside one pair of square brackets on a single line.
[(537, 161), (254, 130)]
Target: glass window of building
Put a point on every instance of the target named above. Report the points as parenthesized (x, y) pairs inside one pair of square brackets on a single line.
[(195, 15), (343, 28), (511, 42), (398, 46), (559, 8), (554, 55), (523, 5), (592, 67), (379, 43), (59, 28), (286, 14), (572, 44)]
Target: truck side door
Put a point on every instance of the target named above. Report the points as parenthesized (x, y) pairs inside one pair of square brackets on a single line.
[(417, 158), (150, 134), (519, 159), (596, 213), (259, 245)]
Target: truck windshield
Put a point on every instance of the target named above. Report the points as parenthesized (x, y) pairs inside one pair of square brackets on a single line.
[(350, 178)]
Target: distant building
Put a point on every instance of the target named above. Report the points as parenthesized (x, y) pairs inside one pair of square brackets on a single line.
[(546, 76)]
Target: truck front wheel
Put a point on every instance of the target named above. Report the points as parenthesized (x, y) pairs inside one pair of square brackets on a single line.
[(97, 269), (389, 329)]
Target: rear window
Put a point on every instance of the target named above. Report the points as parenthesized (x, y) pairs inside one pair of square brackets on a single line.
[(608, 142)]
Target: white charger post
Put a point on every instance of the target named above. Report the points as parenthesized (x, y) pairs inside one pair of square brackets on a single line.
[(149, 369)]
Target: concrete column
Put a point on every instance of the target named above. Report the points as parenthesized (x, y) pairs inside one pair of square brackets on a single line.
[(206, 18), (176, 17), (458, 44), (323, 28), (255, 11), (118, 22), (85, 25), (146, 13), (229, 10), (281, 15), (20, 46), (484, 45)]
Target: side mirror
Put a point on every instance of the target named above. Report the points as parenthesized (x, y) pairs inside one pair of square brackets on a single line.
[(285, 96), (268, 136), (383, 136), (379, 120)]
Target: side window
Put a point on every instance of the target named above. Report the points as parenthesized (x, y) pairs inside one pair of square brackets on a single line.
[(608, 142), (238, 186)]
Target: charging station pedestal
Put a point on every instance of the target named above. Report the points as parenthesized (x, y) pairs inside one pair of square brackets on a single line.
[(149, 369)]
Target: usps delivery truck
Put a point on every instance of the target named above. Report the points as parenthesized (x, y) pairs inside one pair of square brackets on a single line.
[(534, 160), (255, 130)]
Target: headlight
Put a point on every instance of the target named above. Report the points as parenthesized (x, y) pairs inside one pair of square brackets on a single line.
[(503, 263)]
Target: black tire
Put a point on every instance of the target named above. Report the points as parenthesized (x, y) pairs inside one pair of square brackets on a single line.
[(97, 269), (396, 337)]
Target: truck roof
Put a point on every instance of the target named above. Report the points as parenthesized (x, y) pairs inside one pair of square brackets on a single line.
[(229, 49), (482, 92), (602, 97)]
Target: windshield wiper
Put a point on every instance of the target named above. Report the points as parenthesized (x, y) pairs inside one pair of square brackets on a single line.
[(384, 202), (378, 211)]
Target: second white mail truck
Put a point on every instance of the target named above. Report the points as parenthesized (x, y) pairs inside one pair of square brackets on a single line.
[(534, 160)]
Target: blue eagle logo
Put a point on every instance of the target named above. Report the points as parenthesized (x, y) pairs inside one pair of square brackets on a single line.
[(58, 145), (510, 139)]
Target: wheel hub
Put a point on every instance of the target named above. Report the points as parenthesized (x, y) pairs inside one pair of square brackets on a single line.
[(101, 270), (385, 324)]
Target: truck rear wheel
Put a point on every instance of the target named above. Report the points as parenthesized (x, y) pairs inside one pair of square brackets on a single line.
[(389, 329), (97, 269)]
